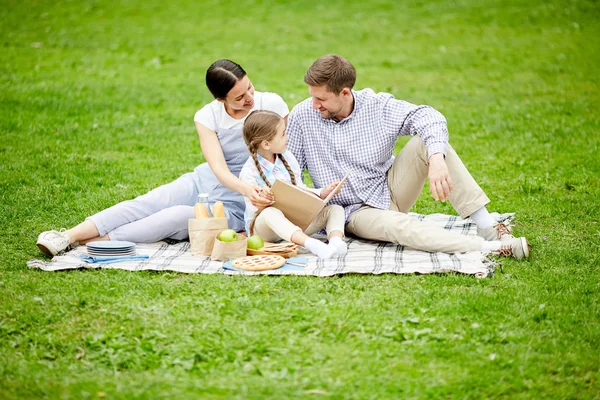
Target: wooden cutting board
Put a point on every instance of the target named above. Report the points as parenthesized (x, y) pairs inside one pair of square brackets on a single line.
[(286, 250)]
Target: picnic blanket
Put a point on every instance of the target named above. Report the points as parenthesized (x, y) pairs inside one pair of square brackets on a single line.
[(363, 257)]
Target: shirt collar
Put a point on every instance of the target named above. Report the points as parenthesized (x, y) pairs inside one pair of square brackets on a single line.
[(356, 107), (267, 165)]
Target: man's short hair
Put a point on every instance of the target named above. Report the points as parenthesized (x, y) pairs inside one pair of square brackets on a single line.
[(332, 71)]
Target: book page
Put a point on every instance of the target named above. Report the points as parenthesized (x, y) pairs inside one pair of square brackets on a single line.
[(298, 205)]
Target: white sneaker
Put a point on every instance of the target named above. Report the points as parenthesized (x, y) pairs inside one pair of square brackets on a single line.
[(53, 242), (498, 231), (515, 247)]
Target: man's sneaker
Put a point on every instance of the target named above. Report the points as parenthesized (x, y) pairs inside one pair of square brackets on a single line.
[(515, 247), (495, 232), (53, 242)]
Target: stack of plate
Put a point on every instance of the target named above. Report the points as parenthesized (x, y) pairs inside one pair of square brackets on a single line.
[(111, 249)]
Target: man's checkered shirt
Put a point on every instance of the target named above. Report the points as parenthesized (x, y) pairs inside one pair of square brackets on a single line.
[(362, 143)]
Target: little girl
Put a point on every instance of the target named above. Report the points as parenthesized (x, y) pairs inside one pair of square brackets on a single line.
[(264, 133)]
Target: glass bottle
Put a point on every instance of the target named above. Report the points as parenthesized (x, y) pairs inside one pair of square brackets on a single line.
[(203, 198)]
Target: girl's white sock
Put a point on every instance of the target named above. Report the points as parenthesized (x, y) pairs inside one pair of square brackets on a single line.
[(482, 218), (341, 248), (319, 248)]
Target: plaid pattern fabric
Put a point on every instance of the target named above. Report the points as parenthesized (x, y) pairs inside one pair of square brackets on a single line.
[(364, 257), (362, 143)]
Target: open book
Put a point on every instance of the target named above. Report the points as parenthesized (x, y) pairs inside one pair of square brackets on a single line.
[(298, 205)]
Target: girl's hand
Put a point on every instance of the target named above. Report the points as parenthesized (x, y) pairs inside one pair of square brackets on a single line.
[(255, 195), (329, 188), (266, 193)]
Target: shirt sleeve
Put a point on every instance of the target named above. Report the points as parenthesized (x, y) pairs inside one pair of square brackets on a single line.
[(405, 119), (274, 102), (294, 132), (206, 117)]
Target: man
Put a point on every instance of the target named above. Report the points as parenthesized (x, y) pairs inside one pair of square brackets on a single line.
[(339, 129)]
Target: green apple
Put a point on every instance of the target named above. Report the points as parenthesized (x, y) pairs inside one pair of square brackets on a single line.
[(228, 235), (255, 242)]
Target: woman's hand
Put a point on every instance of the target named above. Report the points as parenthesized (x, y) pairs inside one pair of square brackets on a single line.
[(329, 188), (266, 193), (259, 197), (440, 183)]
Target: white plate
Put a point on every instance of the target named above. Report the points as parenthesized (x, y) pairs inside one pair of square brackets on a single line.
[(111, 251), (99, 253), (113, 254), (110, 245)]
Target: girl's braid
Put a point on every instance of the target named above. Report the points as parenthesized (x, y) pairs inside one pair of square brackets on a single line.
[(259, 168), (289, 169), (262, 175), (264, 178), (262, 125)]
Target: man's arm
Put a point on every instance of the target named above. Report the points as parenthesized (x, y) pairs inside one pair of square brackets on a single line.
[(409, 119), (425, 121)]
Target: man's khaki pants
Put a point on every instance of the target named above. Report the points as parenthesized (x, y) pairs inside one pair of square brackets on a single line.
[(405, 180)]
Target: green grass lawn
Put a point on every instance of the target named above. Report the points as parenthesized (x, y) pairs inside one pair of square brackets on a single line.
[(97, 103)]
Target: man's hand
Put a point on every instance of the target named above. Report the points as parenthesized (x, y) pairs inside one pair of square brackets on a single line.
[(329, 188), (439, 178)]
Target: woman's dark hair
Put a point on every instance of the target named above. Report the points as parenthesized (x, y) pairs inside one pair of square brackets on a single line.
[(221, 76)]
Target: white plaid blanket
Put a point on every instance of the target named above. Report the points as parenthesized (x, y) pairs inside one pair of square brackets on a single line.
[(364, 257)]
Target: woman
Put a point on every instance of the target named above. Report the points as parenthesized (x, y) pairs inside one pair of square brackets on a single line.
[(164, 212)]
